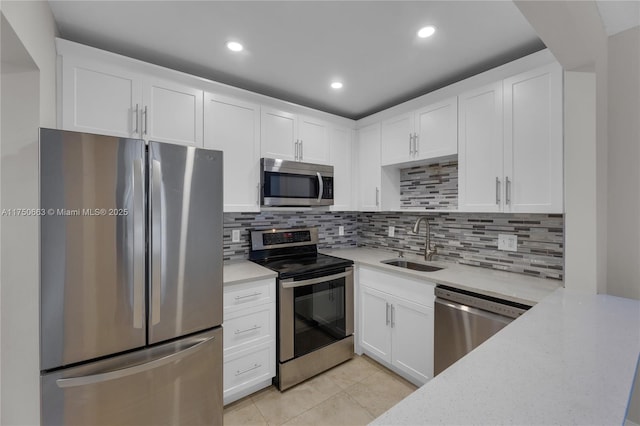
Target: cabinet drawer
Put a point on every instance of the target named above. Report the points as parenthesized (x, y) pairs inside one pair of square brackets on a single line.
[(247, 368), (248, 327), (237, 296), (416, 290)]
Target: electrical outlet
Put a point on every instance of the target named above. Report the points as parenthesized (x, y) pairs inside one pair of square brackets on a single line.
[(235, 236), (341, 230), (392, 231), (507, 242)]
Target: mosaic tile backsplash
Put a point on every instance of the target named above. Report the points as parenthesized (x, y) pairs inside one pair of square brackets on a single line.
[(327, 222), (467, 238), (432, 187), (472, 239)]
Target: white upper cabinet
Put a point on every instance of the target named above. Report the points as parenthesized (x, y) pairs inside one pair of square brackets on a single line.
[(233, 126), (172, 112), (397, 139), (98, 98), (510, 141), (294, 137), (533, 141), (430, 132), (436, 130), (341, 148), (480, 145), (369, 169), (108, 99)]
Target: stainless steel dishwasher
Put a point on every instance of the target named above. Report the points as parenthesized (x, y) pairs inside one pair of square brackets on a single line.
[(463, 320)]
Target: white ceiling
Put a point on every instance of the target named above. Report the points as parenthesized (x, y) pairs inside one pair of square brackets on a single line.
[(294, 49), (618, 16)]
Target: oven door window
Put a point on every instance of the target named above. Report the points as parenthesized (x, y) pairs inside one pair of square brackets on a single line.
[(319, 315), (286, 185)]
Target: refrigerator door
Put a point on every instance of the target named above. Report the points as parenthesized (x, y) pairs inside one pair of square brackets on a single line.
[(92, 246), (185, 217), (178, 383)]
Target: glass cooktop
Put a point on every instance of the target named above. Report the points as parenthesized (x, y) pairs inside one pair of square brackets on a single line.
[(292, 266)]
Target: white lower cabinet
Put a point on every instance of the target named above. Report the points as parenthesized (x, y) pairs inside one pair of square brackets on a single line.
[(396, 323), (249, 338)]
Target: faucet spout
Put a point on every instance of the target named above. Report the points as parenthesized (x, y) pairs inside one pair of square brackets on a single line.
[(428, 252)]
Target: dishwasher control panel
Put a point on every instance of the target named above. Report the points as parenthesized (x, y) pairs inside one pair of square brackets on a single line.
[(481, 301)]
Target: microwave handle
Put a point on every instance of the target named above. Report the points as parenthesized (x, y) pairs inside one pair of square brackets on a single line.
[(320, 186)]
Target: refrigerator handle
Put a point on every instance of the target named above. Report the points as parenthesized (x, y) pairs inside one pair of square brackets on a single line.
[(136, 369), (138, 244), (157, 241)]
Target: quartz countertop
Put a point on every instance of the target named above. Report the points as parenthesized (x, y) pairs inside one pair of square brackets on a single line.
[(240, 271), (505, 285), (569, 360)]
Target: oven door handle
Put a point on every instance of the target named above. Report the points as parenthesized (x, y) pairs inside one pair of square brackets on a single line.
[(290, 283)]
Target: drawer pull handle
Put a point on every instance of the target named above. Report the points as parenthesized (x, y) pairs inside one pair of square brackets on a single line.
[(255, 366), (257, 293), (255, 327)]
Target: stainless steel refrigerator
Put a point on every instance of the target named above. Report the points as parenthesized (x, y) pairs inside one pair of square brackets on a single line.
[(131, 282)]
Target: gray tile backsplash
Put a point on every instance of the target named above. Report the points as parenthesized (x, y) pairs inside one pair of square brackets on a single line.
[(467, 238), (434, 186), (472, 239), (327, 222)]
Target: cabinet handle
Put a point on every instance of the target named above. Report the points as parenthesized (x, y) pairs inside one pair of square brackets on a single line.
[(377, 196), (393, 316), (255, 366), (497, 191), (257, 293), (410, 144), (508, 190), (301, 150), (255, 327), (415, 144), (145, 119), (137, 119), (387, 313), (295, 154)]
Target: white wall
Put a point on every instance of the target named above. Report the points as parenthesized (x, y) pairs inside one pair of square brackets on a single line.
[(28, 87), (623, 256), (33, 22)]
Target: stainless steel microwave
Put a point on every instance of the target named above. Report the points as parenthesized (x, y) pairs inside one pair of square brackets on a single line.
[(295, 184)]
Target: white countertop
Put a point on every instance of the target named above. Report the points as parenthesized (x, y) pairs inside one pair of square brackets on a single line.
[(240, 271), (506, 285), (570, 360)]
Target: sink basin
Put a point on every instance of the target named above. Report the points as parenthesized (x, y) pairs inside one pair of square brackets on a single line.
[(407, 264)]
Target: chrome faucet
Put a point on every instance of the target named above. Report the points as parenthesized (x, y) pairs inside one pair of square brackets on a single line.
[(428, 253)]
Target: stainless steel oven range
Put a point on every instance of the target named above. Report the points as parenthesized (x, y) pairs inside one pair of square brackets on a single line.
[(314, 303)]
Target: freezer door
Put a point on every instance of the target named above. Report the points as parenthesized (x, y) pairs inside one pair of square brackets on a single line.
[(178, 383), (185, 217), (92, 245)]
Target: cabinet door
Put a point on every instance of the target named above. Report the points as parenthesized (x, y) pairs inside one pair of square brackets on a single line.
[(480, 182), (279, 130), (396, 144), (369, 174), (100, 99), (437, 130), (412, 339), (173, 113), (533, 141), (314, 141), (340, 148), (375, 320), (233, 127)]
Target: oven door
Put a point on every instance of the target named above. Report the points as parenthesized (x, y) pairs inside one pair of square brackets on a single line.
[(287, 183), (314, 311)]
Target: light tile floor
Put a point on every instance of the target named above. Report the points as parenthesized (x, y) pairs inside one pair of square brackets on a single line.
[(353, 393)]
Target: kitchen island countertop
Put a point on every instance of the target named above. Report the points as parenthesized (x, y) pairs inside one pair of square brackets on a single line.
[(241, 271), (571, 359)]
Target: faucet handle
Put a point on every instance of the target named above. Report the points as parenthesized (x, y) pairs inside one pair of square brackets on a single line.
[(400, 254)]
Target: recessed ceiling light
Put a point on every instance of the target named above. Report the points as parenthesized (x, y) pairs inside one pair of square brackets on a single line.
[(336, 85), (426, 31), (234, 46)]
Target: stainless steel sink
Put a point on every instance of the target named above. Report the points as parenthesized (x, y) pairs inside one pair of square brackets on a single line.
[(407, 264)]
